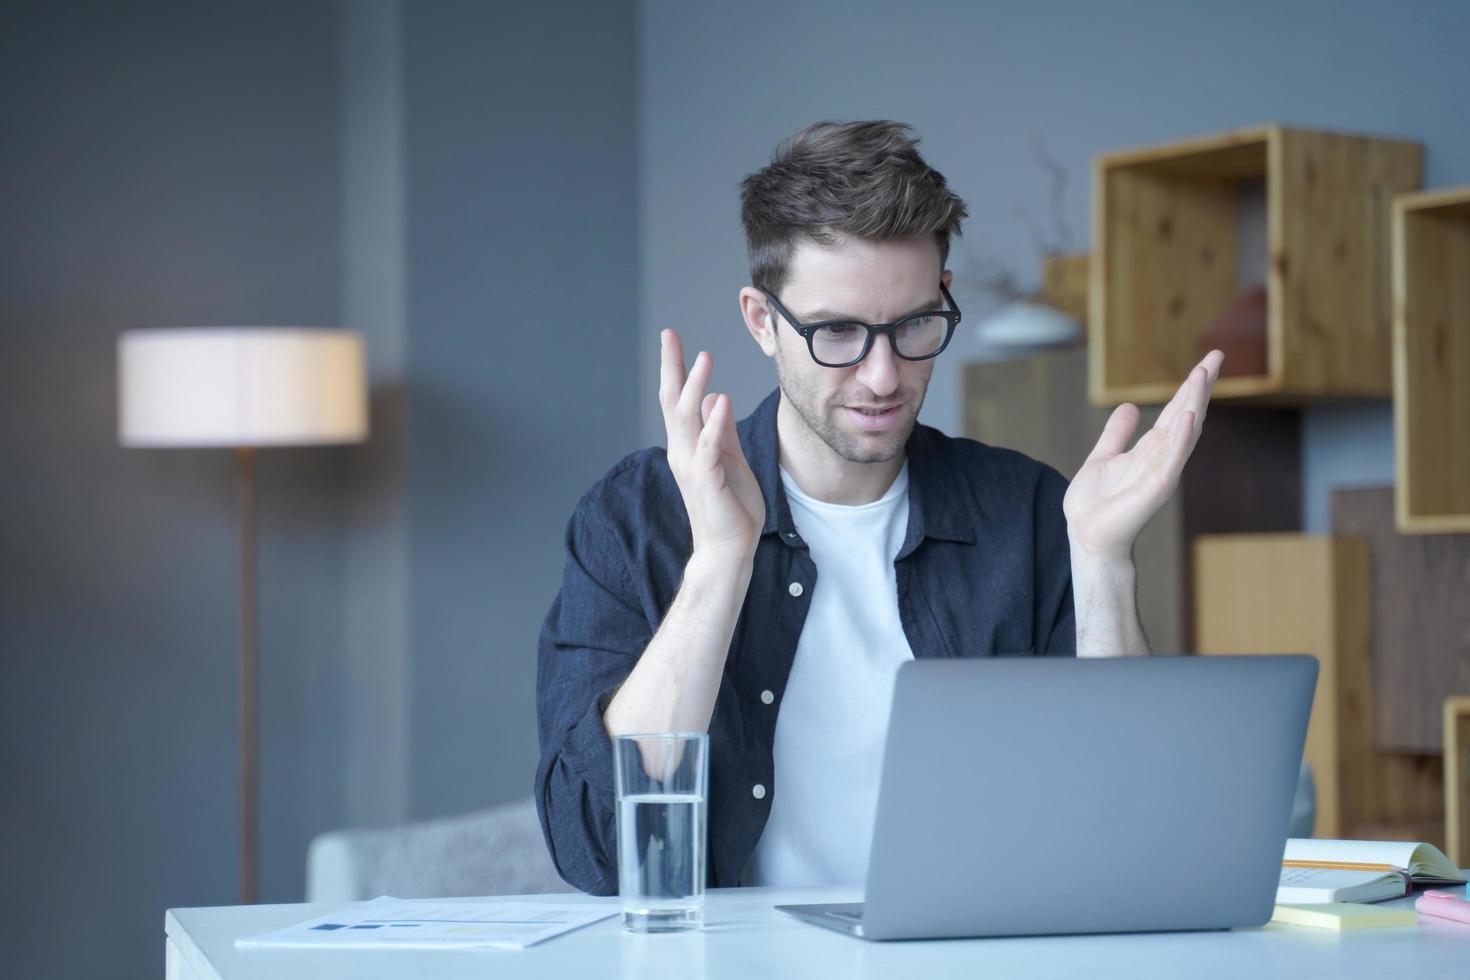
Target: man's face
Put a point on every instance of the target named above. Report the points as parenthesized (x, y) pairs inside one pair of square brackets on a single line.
[(863, 413)]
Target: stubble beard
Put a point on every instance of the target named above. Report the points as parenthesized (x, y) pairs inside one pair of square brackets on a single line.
[(825, 427)]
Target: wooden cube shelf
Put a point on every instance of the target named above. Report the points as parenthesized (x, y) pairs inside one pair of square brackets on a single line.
[(1297, 593), (1244, 475), (1420, 619), (1457, 779), (1431, 360), (1064, 284), (1166, 224)]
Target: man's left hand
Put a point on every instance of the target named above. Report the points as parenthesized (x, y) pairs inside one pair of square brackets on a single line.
[(1118, 489)]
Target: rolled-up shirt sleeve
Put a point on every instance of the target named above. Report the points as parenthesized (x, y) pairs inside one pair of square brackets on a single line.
[(1056, 620), (591, 639)]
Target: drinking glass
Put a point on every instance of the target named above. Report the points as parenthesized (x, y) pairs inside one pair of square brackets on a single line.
[(662, 783)]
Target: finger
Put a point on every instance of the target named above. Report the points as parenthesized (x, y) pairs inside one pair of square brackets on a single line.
[(682, 419), (729, 433), (692, 396), (723, 428), (1212, 363), (1195, 390), (1179, 402), (670, 369), (707, 450), (1181, 445), (705, 406), (1115, 435), (1196, 395), (1167, 457)]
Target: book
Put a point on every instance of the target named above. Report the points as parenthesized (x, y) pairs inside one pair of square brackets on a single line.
[(1304, 886), (1424, 864), (1344, 916)]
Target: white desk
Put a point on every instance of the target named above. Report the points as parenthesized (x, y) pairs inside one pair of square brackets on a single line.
[(745, 937)]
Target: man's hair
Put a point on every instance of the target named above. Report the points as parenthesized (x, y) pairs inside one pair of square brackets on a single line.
[(839, 180)]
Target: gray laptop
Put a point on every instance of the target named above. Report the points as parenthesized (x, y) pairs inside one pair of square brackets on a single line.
[(1038, 795)]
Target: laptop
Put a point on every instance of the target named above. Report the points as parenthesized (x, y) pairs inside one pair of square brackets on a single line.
[(1038, 795)]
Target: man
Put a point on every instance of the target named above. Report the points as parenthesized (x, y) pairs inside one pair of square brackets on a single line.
[(764, 581)]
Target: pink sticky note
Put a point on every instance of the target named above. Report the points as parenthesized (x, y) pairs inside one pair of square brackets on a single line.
[(1444, 905)]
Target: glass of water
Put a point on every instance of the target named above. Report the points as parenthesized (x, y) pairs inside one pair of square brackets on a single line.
[(662, 783)]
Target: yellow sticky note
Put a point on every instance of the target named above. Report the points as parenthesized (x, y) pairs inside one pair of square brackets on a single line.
[(1343, 916)]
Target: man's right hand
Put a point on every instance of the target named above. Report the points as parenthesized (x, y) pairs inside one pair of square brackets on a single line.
[(673, 686), (726, 510)]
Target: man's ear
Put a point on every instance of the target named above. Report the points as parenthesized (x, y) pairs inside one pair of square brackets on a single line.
[(759, 319), (948, 279)]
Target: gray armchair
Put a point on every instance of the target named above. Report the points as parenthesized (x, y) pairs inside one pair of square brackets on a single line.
[(498, 851)]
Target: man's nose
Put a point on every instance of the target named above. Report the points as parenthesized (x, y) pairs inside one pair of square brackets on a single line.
[(879, 370)]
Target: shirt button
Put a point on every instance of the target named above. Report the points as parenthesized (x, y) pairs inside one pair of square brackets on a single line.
[(767, 697), (758, 791), (795, 589)]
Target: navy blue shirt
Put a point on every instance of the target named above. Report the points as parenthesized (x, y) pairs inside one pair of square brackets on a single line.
[(984, 570)]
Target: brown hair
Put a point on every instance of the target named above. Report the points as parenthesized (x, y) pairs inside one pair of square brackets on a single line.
[(835, 180)]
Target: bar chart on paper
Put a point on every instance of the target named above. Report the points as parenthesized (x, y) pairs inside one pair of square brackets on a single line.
[(394, 923)]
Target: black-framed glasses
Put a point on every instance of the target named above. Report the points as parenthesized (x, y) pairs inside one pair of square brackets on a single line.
[(843, 343)]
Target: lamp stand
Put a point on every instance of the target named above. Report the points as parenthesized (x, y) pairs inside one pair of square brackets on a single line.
[(249, 684), (244, 388)]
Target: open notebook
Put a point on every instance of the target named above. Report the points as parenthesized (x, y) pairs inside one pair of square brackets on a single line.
[(1315, 871)]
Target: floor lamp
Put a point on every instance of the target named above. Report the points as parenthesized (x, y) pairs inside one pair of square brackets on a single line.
[(242, 388)]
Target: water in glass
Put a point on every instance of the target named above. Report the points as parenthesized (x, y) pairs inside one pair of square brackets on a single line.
[(661, 840)]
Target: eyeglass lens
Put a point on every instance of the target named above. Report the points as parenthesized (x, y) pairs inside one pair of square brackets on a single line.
[(915, 336)]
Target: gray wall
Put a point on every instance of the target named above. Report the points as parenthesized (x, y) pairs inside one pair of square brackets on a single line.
[(162, 165), (431, 176), (374, 300), (978, 80), (521, 303)]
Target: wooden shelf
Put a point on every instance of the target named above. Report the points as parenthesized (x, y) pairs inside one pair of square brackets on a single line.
[(1064, 283), (1166, 235), (1421, 621), (1457, 778), (1296, 593), (1431, 360), (1244, 475)]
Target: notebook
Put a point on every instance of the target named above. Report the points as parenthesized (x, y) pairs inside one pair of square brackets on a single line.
[(1424, 863), (1304, 886)]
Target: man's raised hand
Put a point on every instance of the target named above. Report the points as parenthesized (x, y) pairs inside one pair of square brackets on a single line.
[(1118, 489), (726, 510)]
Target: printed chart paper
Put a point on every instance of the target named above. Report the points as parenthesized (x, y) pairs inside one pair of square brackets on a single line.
[(396, 923)]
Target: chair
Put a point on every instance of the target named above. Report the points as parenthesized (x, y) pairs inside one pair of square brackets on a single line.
[(498, 851)]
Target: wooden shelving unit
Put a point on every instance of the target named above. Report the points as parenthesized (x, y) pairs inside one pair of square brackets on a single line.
[(1297, 593), (1431, 360), (1244, 475), (1166, 228), (1421, 621), (1457, 779), (1065, 281)]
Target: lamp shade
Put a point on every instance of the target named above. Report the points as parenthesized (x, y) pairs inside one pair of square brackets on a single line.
[(241, 386)]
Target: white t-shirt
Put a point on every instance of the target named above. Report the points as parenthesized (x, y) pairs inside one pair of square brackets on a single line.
[(833, 716)]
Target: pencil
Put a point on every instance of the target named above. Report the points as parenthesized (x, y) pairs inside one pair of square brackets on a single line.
[(1341, 866)]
